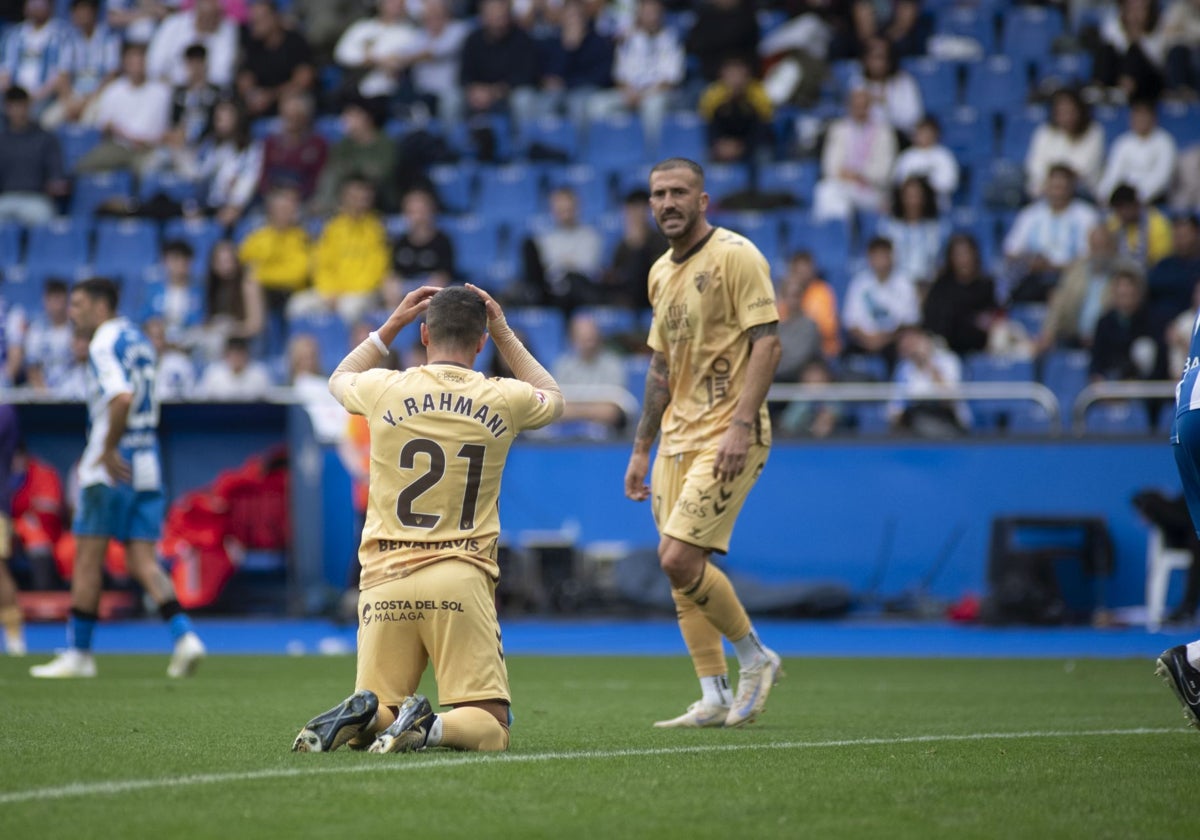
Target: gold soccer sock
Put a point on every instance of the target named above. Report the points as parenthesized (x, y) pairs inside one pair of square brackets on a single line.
[(703, 640), (713, 595), (471, 728), (10, 619), (384, 718)]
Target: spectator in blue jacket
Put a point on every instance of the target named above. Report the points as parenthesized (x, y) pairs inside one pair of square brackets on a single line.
[(576, 64)]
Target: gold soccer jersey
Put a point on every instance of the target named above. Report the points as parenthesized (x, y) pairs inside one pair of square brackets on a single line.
[(440, 435), (703, 305)]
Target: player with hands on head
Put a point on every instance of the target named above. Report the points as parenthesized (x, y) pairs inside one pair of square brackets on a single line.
[(439, 437), (716, 346)]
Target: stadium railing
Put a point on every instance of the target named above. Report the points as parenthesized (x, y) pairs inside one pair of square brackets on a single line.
[(1109, 392)]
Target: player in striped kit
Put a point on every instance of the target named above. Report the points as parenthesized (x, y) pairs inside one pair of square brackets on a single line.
[(1180, 666)]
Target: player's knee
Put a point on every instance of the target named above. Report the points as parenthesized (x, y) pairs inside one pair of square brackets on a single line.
[(495, 739), (681, 563)]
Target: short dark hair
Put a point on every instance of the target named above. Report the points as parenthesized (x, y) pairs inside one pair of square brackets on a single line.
[(930, 121), (929, 208), (196, 51), (1143, 102), (1123, 196), (16, 93), (133, 46), (456, 318), (636, 196), (679, 163), (1062, 169), (99, 288), (95, 4), (54, 286), (879, 243), (178, 246), (237, 342)]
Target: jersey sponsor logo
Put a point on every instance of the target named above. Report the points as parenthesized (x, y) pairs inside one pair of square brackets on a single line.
[(701, 280), (721, 505), (697, 508), (717, 382), (677, 317), (761, 302)]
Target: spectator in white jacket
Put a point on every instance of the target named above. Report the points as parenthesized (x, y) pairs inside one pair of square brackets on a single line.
[(648, 67), (205, 23), (895, 97), (927, 158), (1071, 138), (1143, 157), (856, 162), (381, 48)]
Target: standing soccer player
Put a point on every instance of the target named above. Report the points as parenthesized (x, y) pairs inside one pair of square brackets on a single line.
[(120, 481), (1180, 666), (10, 609), (439, 437), (716, 346)]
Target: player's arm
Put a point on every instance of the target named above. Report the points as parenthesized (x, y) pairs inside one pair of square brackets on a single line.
[(118, 414), (765, 351), (522, 363), (366, 355), (654, 404)]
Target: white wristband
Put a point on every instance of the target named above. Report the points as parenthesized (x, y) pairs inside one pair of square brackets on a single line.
[(378, 342)]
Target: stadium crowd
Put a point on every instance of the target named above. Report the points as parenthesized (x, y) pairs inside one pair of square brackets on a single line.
[(946, 191)]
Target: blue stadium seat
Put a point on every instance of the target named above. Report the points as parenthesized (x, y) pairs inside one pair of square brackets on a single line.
[(200, 233), (543, 328), (829, 241), (864, 368), (549, 134), (938, 81), (1029, 33), (796, 177), (615, 142), (1065, 372), (1031, 316), (722, 180), (76, 141), (1114, 121), (967, 132), (871, 419), (60, 247), (1069, 68), (969, 22), (477, 243), (589, 185), (763, 229), (1117, 418), (1182, 121), (500, 126), (173, 186), (998, 84), (983, 367), (612, 320), (93, 190), (508, 192), (10, 246), (455, 185), (1018, 128), (330, 127), (684, 135), (125, 248), (331, 333)]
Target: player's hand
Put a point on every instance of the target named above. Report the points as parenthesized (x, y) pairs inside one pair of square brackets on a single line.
[(414, 305), (118, 468), (635, 477), (731, 453), (494, 312)]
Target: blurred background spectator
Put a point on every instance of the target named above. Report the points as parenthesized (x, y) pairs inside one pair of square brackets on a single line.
[(235, 377), (641, 244), (738, 113), (856, 163), (1072, 139), (879, 302), (37, 55), (1082, 294), (276, 60), (47, 345), (961, 304), (927, 368), (563, 261), (31, 168), (1046, 236), (803, 289), (1143, 157), (423, 253), (204, 23), (915, 229), (587, 362), (895, 97), (927, 158)]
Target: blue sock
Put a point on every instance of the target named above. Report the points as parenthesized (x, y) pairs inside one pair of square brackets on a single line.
[(80, 627), (177, 620)]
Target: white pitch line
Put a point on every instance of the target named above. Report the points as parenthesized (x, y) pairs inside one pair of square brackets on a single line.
[(132, 785)]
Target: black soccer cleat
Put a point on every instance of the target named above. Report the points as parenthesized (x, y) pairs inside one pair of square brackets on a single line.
[(410, 730), (329, 730), (1183, 679)]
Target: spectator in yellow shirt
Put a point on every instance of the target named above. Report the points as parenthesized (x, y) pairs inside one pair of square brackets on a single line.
[(350, 259), (277, 254), (737, 111), (1143, 233)]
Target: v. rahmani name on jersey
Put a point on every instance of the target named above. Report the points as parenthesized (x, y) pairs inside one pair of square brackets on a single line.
[(450, 403)]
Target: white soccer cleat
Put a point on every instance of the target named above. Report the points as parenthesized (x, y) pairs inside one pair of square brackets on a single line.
[(699, 715), (754, 684), (189, 650), (70, 664)]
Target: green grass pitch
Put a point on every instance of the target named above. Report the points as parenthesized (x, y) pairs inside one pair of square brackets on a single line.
[(848, 748)]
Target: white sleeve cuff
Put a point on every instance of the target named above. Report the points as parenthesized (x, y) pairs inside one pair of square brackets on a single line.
[(378, 342)]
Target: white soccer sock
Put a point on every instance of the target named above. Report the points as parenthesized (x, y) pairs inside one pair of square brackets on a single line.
[(434, 738), (716, 690), (1193, 654), (749, 649)]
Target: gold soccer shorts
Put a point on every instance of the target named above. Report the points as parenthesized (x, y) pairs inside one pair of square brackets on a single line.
[(6, 532), (694, 507), (445, 613)]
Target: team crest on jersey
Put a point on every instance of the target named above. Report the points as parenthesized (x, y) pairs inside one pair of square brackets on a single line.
[(701, 280)]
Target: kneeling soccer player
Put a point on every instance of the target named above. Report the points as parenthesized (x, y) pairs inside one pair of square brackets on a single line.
[(440, 435)]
